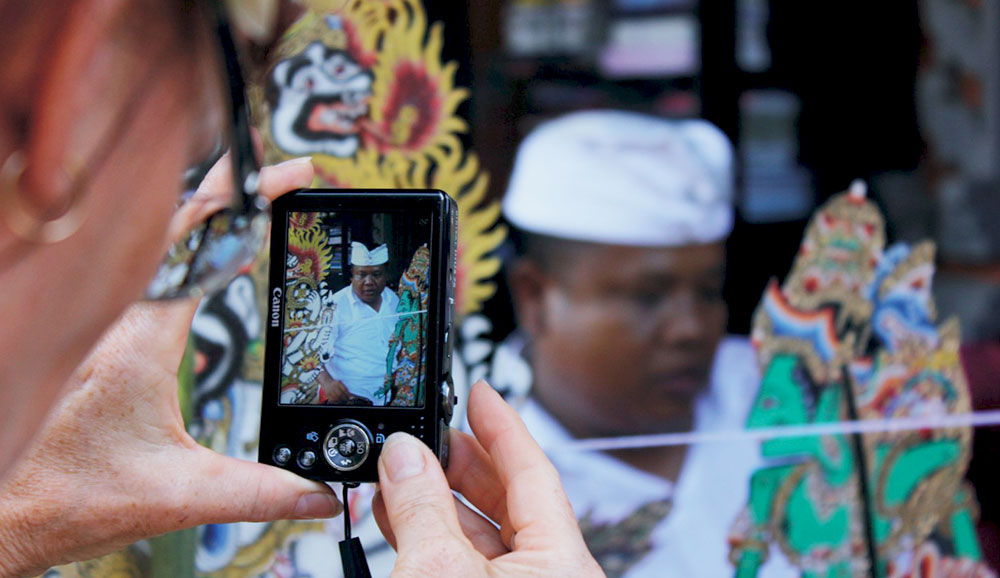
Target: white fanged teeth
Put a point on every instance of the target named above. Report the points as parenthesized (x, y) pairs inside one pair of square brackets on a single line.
[(344, 118), (354, 98)]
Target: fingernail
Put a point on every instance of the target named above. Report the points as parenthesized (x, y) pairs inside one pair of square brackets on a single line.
[(402, 457), (317, 505), (296, 161)]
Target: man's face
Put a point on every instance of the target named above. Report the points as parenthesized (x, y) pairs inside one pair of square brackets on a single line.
[(627, 337), (368, 282)]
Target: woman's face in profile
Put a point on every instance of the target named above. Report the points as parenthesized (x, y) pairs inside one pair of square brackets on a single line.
[(143, 117), (116, 102)]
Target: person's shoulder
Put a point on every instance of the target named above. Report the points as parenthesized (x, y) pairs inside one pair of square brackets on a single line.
[(390, 295), (343, 295), (737, 351), (735, 370)]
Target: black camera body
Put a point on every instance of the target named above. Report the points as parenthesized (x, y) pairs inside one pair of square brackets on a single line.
[(360, 307)]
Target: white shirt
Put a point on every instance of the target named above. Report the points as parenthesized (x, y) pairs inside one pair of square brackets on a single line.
[(360, 339), (691, 541)]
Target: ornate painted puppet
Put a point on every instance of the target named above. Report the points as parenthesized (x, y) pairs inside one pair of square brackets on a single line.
[(851, 336), (405, 378), (309, 310)]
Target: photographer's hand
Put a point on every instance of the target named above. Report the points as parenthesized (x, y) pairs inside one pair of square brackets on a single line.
[(113, 462), (334, 389), (504, 474)]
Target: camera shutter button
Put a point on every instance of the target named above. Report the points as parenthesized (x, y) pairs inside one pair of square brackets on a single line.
[(347, 447), (448, 398)]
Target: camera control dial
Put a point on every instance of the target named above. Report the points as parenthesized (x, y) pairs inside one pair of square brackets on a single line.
[(346, 446)]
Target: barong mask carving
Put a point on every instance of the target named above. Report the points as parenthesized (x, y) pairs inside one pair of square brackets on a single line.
[(362, 88), (318, 100), (851, 336), (309, 309)]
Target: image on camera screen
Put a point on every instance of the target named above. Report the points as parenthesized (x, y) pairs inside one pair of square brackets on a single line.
[(354, 328)]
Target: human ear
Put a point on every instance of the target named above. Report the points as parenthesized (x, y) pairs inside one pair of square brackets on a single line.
[(77, 103), (528, 285)]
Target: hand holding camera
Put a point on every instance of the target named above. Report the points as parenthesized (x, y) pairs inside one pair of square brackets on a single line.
[(504, 474)]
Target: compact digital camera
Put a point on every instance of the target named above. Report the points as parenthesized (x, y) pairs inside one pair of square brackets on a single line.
[(361, 301)]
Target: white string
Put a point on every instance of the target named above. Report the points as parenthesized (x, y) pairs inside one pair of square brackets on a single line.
[(973, 419)]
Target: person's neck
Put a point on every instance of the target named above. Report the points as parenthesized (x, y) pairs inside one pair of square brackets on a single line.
[(665, 461), (662, 461), (376, 305)]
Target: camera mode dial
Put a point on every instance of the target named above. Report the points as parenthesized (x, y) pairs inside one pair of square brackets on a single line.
[(346, 446)]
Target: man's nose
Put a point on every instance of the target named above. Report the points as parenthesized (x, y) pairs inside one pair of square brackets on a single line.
[(681, 320)]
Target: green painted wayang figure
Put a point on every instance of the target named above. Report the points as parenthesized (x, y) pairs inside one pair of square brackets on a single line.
[(405, 377), (851, 336)]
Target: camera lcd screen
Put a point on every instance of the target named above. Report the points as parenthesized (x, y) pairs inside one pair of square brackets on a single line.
[(355, 299)]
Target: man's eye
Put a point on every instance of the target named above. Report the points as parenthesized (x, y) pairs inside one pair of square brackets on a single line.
[(711, 293), (648, 299)]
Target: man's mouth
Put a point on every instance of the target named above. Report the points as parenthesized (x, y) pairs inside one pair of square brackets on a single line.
[(686, 380)]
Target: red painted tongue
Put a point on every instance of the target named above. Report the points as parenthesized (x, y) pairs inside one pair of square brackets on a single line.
[(318, 119)]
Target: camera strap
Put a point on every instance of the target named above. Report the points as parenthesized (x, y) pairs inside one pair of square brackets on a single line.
[(352, 554)]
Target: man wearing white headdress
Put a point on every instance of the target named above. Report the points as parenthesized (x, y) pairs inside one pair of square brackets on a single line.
[(363, 322), (620, 221)]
